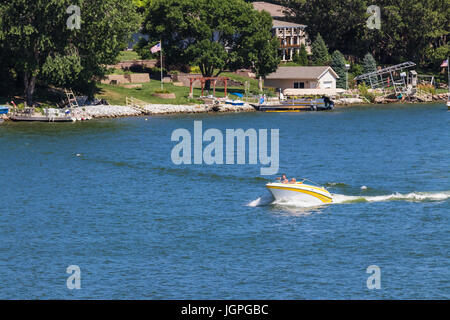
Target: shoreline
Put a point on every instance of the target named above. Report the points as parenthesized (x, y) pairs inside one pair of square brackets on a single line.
[(118, 111)]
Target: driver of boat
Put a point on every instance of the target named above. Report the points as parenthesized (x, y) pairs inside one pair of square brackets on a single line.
[(284, 179)]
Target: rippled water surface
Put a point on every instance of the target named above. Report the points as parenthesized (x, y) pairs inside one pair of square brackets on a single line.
[(105, 195)]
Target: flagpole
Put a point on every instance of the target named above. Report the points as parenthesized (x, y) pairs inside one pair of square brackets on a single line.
[(162, 85)]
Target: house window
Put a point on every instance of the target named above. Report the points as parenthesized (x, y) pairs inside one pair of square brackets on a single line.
[(327, 84), (299, 85)]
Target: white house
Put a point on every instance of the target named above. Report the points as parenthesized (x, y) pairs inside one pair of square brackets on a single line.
[(318, 77)]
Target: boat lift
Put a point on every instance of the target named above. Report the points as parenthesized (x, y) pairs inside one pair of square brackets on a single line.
[(395, 77)]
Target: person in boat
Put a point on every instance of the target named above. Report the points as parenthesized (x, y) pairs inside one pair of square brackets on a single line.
[(284, 179), (293, 180)]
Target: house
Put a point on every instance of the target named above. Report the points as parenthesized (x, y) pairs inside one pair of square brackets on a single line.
[(290, 35), (317, 77)]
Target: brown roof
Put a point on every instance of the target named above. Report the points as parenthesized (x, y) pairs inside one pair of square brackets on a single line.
[(274, 10), (300, 72), (285, 24)]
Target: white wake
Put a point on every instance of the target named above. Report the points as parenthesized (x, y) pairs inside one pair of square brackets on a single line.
[(342, 199), (413, 197)]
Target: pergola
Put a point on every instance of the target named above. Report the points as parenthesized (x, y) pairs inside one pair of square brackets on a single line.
[(203, 82)]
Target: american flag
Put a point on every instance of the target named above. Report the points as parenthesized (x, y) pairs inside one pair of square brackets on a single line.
[(444, 64), (156, 48)]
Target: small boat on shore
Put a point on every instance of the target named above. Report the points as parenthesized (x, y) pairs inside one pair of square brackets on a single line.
[(4, 110), (235, 102), (49, 115), (305, 191)]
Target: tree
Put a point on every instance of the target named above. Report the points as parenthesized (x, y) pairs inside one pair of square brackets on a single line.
[(216, 35), (143, 49), (338, 64), (415, 30), (141, 3), (45, 50), (342, 23), (319, 49), (301, 58), (369, 63)]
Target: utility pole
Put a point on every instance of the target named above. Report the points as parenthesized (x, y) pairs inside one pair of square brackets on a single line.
[(347, 67)]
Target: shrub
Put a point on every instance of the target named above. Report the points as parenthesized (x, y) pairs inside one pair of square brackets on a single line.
[(364, 91), (195, 69), (428, 88)]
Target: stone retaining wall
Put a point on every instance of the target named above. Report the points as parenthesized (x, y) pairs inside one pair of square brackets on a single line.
[(126, 78)]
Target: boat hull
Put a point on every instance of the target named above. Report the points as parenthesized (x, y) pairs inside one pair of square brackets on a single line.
[(291, 108), (42, 119), (235, 102), (294, 107), (309, 195)]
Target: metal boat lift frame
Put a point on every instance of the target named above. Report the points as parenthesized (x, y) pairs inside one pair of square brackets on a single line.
[(377, 80)]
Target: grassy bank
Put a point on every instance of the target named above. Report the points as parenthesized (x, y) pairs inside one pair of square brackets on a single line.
[(116, 94), (128, 55)]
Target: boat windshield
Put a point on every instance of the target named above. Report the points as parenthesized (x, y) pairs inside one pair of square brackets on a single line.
[(300, 181)]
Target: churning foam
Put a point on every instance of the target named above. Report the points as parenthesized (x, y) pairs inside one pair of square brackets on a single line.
[(340, 198), (265, 200), (414, 197)]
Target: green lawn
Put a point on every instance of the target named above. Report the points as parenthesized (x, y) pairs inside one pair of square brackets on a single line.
[(128, 55), (242, 79), (116, 94)]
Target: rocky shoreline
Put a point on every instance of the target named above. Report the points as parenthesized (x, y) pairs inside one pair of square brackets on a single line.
[(106, 111), (118, 111)]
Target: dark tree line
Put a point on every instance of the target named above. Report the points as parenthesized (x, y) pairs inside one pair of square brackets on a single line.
[(414, 30), (38, 48)]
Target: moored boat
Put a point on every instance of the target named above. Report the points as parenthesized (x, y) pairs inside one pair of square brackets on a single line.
[(296, 105)]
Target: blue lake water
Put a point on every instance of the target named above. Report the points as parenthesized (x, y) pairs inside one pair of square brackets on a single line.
[(105, 195)]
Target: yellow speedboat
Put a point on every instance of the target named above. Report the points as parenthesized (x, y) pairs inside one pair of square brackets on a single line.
[(304, 191)]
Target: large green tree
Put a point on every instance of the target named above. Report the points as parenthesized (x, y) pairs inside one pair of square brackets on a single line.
[(319, 51), (338, 64), (215, 35), (46, 51), (369, 63)]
